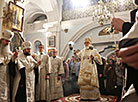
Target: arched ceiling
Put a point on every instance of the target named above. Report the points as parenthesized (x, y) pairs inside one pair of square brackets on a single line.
[(33, 8), (54, 12)]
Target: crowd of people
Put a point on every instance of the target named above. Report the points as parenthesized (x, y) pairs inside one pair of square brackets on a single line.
[(29, 77), (110, 73)]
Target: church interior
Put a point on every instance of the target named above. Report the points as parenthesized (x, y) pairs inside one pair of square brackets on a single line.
[(63, 25)]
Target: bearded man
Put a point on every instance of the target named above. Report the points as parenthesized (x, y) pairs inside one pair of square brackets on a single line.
[(25, 77), (6, 66)]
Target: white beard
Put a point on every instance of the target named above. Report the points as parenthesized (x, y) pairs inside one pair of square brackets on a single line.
[(87, 47), (4, 50)]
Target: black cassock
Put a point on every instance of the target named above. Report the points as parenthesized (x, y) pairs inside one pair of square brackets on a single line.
[(132, 74), (21, 91), (12, 73)]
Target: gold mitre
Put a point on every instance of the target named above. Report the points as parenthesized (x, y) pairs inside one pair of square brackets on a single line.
[(88, 39)]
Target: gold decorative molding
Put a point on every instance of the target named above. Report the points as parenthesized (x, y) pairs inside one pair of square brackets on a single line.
[(7, 18), (13, 17)]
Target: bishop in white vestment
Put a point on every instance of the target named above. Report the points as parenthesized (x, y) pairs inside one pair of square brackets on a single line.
[(5, 70), (88, 76), (25, 78)]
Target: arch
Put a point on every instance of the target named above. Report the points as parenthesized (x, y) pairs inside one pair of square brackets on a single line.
[(34, 37), (33, 16), (78, 34), (110, 53), (90, 26), (34, 8), (36, 44), (40, 18)]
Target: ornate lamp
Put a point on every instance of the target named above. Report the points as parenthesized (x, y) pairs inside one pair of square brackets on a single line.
[(104, 14)]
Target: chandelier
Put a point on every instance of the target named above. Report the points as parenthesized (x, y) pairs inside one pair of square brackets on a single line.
[(99, 10), (101, 13)]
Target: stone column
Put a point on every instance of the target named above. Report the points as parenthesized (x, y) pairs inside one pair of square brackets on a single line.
[(58, 38)]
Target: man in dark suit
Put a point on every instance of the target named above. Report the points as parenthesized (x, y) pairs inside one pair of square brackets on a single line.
[(100, 69)]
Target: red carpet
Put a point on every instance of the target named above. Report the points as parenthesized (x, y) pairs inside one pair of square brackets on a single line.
[(76, 98)]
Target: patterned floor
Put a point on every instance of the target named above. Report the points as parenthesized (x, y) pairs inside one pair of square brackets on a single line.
[(76, 98)]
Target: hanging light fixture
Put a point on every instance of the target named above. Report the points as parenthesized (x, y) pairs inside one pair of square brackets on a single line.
[(103, 14)]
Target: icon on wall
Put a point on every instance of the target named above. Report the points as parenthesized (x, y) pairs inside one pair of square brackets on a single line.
[(107, 31), (52, 41), (18, 13)]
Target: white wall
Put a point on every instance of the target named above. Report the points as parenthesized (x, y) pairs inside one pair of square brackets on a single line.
[(36, 31), (80, 28), (36, 36), (77, 31), (99, 42)]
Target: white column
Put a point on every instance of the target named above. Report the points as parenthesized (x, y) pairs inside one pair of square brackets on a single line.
[(58, 39)]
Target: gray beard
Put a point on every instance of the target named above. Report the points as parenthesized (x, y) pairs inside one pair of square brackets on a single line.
[(4, 50)]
